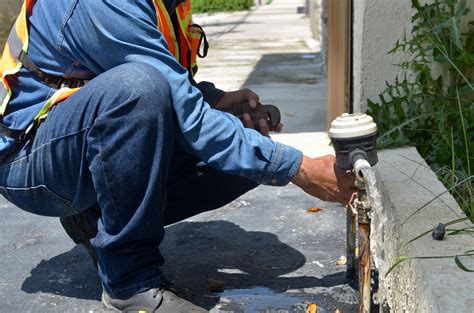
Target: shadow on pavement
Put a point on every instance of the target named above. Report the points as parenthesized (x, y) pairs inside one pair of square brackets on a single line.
[(71, 274), (295, 83), (289, 68), (194, 251)]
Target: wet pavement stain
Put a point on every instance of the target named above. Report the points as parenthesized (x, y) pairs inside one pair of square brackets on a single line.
[(264, 300), (260, 300)]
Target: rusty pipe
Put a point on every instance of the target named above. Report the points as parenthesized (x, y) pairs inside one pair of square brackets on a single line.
[(364, 267)]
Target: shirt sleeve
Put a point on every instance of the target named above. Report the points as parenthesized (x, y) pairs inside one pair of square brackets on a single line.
[(210, 92), (105, 34)]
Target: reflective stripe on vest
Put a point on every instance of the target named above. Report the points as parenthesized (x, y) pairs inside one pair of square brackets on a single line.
[(166, 27), (10, 65), (189, 35)]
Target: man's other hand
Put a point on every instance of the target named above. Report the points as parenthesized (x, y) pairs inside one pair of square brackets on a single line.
[(229, 99), (320, 177)]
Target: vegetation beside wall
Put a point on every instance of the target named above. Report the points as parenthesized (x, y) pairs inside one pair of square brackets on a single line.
[(208, 6), (431, 106)]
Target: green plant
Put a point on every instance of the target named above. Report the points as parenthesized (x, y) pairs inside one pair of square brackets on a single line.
[(431, 105), (209, 6), (450, 231)]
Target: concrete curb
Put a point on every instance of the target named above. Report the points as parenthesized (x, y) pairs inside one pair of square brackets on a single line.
[(428, 285)]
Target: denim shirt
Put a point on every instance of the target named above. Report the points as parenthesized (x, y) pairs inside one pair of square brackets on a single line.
[(83, 38)]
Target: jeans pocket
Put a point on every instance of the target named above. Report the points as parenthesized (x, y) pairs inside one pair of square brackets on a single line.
[(39, 200)]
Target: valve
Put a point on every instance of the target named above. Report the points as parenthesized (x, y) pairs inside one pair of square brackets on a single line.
[(353, 137)]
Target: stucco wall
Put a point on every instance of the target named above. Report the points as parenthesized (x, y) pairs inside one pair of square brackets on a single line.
[(377, 24)]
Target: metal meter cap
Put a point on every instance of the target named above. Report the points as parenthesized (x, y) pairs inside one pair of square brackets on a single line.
[(354, 125)]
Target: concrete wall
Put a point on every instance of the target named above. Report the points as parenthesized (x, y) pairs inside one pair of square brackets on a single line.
[(9, 9), (377, 25), (421, 285)]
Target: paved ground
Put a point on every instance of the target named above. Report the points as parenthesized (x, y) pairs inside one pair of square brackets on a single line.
[(271, 254)]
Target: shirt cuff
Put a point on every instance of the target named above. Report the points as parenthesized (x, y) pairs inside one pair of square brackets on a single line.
[(210, 93), (284, 165)]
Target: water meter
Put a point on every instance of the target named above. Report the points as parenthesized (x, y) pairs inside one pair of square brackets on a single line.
[(353, 137)]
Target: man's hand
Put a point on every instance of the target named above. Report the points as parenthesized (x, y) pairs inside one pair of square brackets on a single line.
[(320, 177), (229, 99)]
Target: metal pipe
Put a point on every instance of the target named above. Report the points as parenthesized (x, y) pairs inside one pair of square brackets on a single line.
[(353, 137), (351, 266), (364, 268)]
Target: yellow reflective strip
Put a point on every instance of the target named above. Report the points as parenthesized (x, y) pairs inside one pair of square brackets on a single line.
[(184, 23), (8, 62), (66, 94), (160, 7), (3, 91), (12, 71), (47, 106), (21, 27), (15, 42), (6, 99), (187, 18)]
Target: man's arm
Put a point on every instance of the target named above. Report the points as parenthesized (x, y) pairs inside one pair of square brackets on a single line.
[(105, 34)]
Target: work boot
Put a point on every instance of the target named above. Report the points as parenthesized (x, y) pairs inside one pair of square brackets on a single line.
[(81, 228), (160, 300)]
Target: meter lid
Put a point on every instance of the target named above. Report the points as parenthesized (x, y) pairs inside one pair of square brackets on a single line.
[(352, 126)]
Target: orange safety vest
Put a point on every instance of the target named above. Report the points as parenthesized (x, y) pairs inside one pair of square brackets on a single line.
[(185, 45)]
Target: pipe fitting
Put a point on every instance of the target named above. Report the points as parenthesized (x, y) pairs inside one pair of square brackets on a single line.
[(360, 164)]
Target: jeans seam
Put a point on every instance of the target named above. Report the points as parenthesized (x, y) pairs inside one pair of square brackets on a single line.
[(54, 195), (107, 183), (42, 146), (64, 22)]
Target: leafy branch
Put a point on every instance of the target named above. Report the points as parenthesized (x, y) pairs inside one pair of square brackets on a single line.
[(431, 111)]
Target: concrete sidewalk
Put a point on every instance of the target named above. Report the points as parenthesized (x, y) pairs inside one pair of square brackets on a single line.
[(270, 50), (271, 254)]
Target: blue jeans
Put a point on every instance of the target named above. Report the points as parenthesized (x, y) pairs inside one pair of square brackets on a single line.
[(113, 143)]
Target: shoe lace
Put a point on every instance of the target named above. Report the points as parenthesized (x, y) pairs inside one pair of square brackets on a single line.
[(165, 285)]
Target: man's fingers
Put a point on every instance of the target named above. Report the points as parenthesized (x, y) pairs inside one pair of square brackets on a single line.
[(247, 121), (264, 127), (253, 104), (279, 127), (252, 98)]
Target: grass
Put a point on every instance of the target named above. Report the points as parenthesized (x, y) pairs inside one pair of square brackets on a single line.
[(213, 6)]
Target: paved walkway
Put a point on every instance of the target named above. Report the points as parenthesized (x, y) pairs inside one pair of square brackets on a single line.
[(268, 50), (271, 254)]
